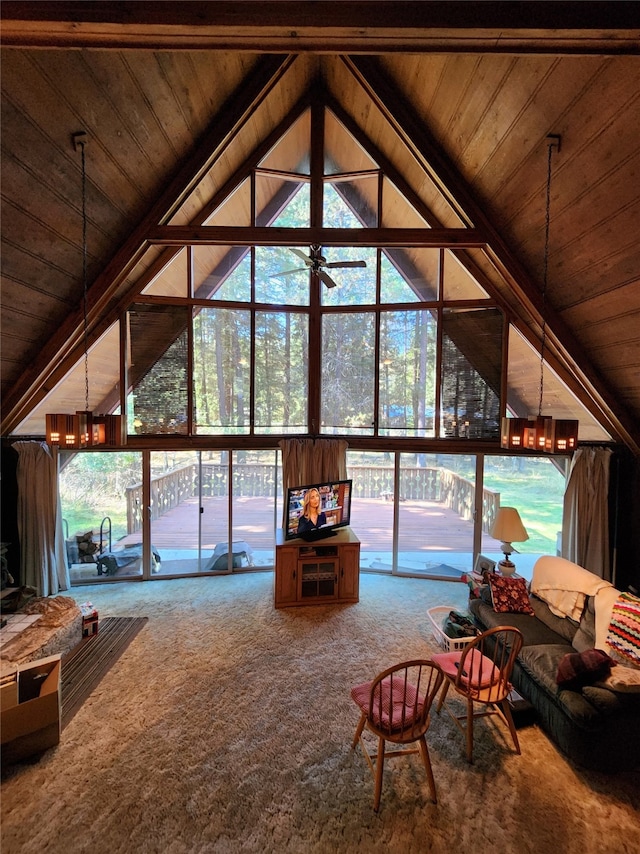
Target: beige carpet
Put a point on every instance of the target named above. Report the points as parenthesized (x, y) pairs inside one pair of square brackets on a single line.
[(226, 727)]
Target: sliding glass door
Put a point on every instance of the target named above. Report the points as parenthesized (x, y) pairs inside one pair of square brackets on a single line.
[(415, 514), (198, 497), (101, 502), (188, 499), (535, 486), (255, 511), (436, 515), (213, 512)]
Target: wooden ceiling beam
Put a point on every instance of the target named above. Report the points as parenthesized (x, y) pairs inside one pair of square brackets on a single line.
[(177, 235), (324, 26)]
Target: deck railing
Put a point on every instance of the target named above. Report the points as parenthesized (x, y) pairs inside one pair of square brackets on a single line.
[(417, 483)]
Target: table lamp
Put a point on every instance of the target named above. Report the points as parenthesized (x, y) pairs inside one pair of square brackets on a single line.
[(508, 527)]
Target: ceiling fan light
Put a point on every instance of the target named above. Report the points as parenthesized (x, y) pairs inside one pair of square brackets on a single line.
[(317, 263)]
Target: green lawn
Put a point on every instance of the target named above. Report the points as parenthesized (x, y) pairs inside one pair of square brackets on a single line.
[(536, 489)]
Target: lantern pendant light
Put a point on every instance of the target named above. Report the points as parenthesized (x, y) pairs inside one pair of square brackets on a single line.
[(542, 433), (82, 428)]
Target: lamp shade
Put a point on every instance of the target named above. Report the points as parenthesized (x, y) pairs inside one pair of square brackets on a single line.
[(508, 526)]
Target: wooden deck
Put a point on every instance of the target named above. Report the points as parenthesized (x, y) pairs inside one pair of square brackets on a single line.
[(428, 532), (423, 526)]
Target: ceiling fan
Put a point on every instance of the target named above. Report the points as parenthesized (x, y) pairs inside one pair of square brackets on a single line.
[(318, 264)]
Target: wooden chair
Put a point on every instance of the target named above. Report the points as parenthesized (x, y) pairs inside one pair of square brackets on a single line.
[(480, 674), (395, 707)]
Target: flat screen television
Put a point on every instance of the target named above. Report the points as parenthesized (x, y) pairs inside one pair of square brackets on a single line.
[(333, 510)]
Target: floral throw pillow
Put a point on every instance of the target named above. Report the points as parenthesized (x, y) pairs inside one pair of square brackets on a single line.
[(510, 595)]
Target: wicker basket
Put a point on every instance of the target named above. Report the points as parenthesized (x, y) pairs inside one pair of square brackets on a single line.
[(437, 616)]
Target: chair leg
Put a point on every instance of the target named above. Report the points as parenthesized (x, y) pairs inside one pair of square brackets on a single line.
[(512, 727), (443, 694), (361, 723), (424, 750), (469, 730), (379, 767)]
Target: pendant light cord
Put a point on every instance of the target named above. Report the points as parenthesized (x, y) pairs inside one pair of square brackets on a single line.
[(84, 277), (545, 273)]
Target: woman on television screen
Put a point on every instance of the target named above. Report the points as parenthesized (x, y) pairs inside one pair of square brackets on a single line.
[(311, 518)]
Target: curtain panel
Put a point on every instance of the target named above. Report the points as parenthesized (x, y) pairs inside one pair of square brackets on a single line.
[(306, 461), (43, 562), (585, 527)]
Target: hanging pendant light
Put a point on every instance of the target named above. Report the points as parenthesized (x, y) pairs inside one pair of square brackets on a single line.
[(82, 428), (542, 433), (512, 433)]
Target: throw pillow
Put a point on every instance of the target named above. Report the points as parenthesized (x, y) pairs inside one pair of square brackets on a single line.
[(510, 595), (624, 630), (583, 668)]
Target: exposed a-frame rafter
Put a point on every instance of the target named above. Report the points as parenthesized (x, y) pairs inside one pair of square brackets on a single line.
[(570, 358), (67, 345), (105, 303)]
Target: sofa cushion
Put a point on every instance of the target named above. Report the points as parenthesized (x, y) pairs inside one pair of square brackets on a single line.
[(510, 595), (534, 632), (585, 636), (577, 669), (563, 626), (540, 663), (607, 702), (485, 595)]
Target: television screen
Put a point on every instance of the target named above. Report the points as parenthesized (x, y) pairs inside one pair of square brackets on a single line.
[(317, 510)]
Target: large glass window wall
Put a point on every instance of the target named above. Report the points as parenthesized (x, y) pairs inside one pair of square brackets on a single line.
[(212, 512), (245, 338)]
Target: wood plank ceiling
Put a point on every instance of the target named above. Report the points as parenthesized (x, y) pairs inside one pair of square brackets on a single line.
[(161, 89)]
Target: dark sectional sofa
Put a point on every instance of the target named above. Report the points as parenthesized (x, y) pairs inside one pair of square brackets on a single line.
[(595, 727)]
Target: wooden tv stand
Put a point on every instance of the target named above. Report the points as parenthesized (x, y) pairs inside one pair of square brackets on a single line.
[(318, 573)]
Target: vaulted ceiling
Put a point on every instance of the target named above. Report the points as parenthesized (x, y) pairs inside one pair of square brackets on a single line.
[(175, 98)]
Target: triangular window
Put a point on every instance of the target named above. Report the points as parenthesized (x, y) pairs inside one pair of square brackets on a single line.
[(283, 334)]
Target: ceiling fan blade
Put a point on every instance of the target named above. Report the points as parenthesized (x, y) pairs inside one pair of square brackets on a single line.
[(333, 264), (301, 255), (288, 272), (326, 278)]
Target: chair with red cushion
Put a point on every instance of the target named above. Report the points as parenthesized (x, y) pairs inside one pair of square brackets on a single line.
[(480, 673), (395, 708)]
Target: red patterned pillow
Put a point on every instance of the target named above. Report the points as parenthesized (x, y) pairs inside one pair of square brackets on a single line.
[(510, 595)]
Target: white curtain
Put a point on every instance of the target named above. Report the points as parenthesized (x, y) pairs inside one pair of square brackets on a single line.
[(306, 461), (43, 561), (585, 527)]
